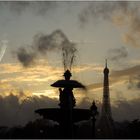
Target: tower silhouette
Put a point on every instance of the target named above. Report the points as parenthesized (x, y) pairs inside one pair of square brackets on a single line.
[(105, 126)]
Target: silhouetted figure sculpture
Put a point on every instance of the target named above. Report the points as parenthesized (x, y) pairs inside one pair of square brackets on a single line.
[(67, 99)]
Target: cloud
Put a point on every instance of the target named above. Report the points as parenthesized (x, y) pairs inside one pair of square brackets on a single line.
[(13, 112), (88, 67), (43, 44), (129, 110), (127, 72), (118, 76), (124, 14), (13, 77), (35, 7), (102, 10), (95, 86), (43, 70), (26, 58), (117, 54), (134, 82), (132, 39), (84, 103)]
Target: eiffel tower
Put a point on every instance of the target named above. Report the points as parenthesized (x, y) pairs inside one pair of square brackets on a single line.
[(105, 125)]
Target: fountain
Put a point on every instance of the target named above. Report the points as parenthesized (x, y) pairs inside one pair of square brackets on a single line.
[(67, 114)]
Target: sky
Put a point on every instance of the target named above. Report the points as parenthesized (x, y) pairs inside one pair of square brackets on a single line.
[(96, 30)]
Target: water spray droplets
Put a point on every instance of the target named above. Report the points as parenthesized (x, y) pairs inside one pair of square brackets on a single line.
[(3, 46)]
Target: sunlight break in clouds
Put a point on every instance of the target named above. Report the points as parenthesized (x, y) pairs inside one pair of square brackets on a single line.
[(37, 79)]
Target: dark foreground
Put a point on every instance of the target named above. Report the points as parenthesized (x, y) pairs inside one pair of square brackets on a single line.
[(41, 129)]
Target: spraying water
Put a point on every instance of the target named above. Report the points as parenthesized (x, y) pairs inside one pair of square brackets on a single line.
[(3, 46)]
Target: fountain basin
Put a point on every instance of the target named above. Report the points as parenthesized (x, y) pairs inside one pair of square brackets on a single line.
[(56, 114)]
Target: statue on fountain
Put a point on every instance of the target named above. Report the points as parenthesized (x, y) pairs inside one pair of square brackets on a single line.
[(66, 96)]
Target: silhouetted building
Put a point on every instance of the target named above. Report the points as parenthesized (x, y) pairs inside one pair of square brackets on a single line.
[(105, 126)]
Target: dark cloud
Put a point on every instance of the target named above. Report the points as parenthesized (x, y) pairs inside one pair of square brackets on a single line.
[(117, 54), (25, 57), (134, 82), (131, 75), (119, 75), (56, 41), (102, 10), (15, 113), (42, 44), (85, 103), (135, 70), (122, 109), (120, 13), (94, 86), (126, 110), (36, 7)]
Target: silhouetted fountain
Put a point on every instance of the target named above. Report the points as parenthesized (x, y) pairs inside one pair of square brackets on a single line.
[(66, 115)]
